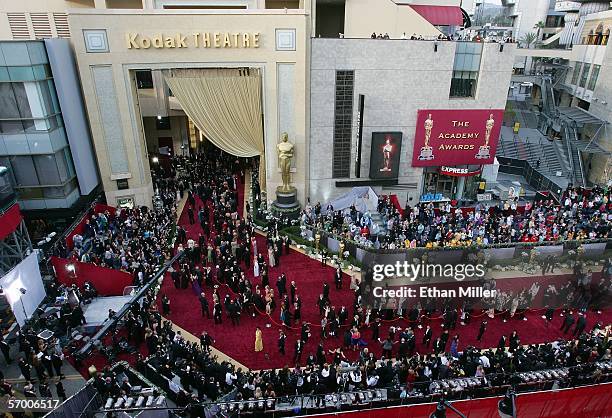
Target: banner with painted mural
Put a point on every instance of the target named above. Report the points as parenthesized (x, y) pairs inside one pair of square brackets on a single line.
[(456, 137)]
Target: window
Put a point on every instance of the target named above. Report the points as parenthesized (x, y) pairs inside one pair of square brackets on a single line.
[(41, 170), (28, 107), (465, 70), (24, 171), (144, 79), (585, 75), (593, 79), (576, 74), (46, 167), (343, 124), (554, 21)]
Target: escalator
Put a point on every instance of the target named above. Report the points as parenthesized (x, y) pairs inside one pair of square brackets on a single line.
[(570, 137)]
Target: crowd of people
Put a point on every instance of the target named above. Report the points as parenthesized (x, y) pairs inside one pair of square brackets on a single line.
[(204, 379), (132, 240), (583, 214), (214, 266), (40, 363), (442, 37), (220, 255)]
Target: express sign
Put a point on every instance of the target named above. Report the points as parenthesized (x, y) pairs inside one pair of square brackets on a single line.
[(456, 137)]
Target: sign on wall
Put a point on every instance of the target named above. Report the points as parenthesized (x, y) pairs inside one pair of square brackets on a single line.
[(385, 155), (135, 40), (459, 172), (567, 6), (456, 137)]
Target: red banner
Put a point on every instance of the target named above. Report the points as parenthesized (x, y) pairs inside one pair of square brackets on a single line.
[(107, 281), (456, 137), (9, 221), (589, 401)]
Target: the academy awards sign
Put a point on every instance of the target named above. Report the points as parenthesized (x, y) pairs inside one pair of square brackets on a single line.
[(136, 40), (456, 137)]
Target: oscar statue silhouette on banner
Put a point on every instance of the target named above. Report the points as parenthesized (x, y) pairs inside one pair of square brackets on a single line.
[(484, 152), (426, 150)]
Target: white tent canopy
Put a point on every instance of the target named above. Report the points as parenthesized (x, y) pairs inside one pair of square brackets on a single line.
[(363, 198)]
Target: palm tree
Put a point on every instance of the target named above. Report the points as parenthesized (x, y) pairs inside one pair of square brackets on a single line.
[(538, 26), (529, 38)]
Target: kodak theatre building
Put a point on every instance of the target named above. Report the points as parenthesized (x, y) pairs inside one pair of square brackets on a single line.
[(415, 118)]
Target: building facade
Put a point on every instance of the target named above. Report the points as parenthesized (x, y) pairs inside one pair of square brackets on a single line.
[(397, 79), (589, 86), (333, 97), (44, 137), (114, 62)]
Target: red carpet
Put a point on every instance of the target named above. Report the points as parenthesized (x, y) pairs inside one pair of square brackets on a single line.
[(238, 341)]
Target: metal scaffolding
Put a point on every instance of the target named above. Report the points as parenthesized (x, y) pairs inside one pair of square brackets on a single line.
[(14, 248)]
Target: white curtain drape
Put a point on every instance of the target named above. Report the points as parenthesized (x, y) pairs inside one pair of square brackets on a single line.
[(225, 104)]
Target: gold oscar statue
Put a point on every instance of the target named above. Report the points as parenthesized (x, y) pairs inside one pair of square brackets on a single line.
[(484, 152), (426, 150), (285, 154)]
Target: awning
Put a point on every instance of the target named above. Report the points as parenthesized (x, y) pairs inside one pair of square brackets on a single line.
[(591, 147), (579, 116), (440, 15)]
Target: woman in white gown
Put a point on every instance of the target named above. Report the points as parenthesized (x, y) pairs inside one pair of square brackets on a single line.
[(272, 260), (256, 268), (254, 244)]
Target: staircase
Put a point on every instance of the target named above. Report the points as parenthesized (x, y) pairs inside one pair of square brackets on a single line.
[(534, 147), (570, 140), (548, 98), (561, 151)]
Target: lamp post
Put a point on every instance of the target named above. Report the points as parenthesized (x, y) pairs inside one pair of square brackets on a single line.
[(23, 292)]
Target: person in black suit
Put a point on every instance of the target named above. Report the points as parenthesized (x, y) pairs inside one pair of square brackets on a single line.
[(427, 336), (176, 278), (282, 338), (501, 345), (292, 290), (217, 313), (567, 323), (6, 349), (204, 305), (299, 347), (57, 362), (338, 279), (165, 305), (514, 343), (26, 369), (206, 341), (438, 346), (59, 388), (580, 325), (281, 286), (326, 291), (481, 331)]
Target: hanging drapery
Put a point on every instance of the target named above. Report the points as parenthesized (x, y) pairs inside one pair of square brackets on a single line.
[(225, 104)]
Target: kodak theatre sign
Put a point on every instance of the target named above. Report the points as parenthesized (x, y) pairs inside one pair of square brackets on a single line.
[(194, 40)]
